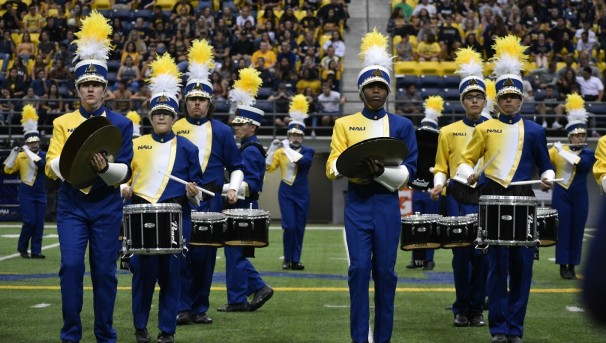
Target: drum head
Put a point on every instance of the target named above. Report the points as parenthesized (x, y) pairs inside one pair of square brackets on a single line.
[(152, 208), (390, 151), (246, 213), (207, 216), (546, 212)]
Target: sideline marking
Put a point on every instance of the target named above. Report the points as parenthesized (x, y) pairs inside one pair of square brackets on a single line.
[(574, 309), (43, 305), (19, 255)]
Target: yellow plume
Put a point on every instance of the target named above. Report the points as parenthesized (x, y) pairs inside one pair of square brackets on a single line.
[(29, 113), (435, 102), (510, 45), (372, 39), (299, 104), (468, 55), (95, 27), (164, 65), (201, 52), (134, 117), (574, 102), (491, 92), (249, 81)]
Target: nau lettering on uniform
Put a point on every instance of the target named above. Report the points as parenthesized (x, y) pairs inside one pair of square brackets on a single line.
[(459, 134), (494, 130), (144, 147), (183, 132), (357, 128), (70, 130)]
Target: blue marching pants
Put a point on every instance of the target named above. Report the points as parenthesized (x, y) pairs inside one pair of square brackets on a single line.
[(242, 278), (96, 224), (507, 305), (147, 269), (469, 266), (33, 212), (573, 208), (293, 209), (422, 203)]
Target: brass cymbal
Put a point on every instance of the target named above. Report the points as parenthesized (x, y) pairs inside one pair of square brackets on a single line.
[(390, 151), (93, 136)]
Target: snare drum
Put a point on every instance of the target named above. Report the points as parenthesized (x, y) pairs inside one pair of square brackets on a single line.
[(420, 231), (247, 227), (457, 232), (152, 229), (547, 226), (508, 220), (208, 228)]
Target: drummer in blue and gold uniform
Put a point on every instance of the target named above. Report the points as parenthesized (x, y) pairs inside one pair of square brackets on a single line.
[(470, 266), (372, 206), (294, 161), (241, 277), (156, 156), (30, 162), (517, 145), (217, 151), (570, 198), (90, 217)]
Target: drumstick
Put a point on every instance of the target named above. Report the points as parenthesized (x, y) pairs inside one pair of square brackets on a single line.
[(174, 178), (530, 182), (488, 162)]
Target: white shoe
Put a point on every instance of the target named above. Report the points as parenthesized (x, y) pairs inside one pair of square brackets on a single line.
[(556, 125)]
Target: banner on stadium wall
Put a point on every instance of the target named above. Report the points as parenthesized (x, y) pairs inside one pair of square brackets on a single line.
[(405, 195), (9, 202)]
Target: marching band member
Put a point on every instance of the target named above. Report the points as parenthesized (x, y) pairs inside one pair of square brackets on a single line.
[(599, 168), (162, 151), (30, 162), (570, 198), (93, 214), (508, 297), (469, 264), (372, 207), (241, 277), (294, 161), (421, 201), (218, 151)]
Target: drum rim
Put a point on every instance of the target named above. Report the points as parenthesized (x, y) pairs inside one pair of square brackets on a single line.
[(208, 216), (507, 200), (417, 220), (546, 211), (457, 219), (157, 207), (233, 213)]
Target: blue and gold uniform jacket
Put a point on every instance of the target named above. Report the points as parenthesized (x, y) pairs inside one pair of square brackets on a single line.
[(518, 145), (574, 175), (63, 127), (167, 154), (367, 124), (254, 167), (293, 174), (599, 168), (31, 174), (217, 147)]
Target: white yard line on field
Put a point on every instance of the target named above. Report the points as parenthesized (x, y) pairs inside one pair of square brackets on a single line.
[(2, 258)]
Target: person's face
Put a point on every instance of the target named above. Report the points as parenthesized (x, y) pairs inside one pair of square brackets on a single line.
[(375, 94), (197, 107), (162, 122), (243, 131), (33, 146), (509, 104), (578, 138), (326, 90), (91, 94), (473, 102), (295, 139)]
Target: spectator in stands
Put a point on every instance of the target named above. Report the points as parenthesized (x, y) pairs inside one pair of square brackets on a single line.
[(271, 4), (592, 88), (15, 84), (496, 28), (540, 51), (201, 29), (281, 98), (12, 20), (122, 4), (425, 5), (449, 38), (428, 49), (404, 50), (284, 73), (182, 44), (587, 46), (39, 64), (535, 30), (267, 54), (130, 74), (33, 21), (207, 15), (331, 105), (26, 48), (465, 7), (409, 103), (141, 99), (220, 87), (567, 81), (515, 17), (587, 27), (330, 21), (75, 16), (46, 47), (21, 69), (7, 48), (30, 98), (6, 107), (52, 104), (397, 22), (445, 8), (328, 57), (563, 48), (122, 96), (286, 53), (310, 21), (336, 41), (268, 15), (340, 14), (142, 29), (426, 28), (266, 74), (542, 77), (229, 19), (135, 38), (549, 105), (471, 41), (309, 79), (59, 74), (493, 6), (41, 83), (333, 73), (183, 7), (557, 32), (586, 61), (243, 47), (288, 17)]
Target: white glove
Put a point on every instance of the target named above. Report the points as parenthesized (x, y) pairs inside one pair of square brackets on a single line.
[(558, 146), (286, 143), (273, 147), (12, 158)]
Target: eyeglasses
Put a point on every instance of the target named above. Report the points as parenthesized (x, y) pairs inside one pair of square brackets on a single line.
[(162, 114), (471, 97)]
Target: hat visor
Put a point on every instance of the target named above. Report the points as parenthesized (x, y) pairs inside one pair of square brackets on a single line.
[(375, 79), (32, 139), (577, 130), (197, 94), (473, 89), (162, 108), (510, 90), (296, 131), (242, 120), (91, 77)]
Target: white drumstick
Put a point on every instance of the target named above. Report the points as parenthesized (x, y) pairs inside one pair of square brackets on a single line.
[(185, 183), (530, 182), (488, 162)]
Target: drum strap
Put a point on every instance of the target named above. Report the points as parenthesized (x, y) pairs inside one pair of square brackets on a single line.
[(493, 188), (248, 252), (464, 194), (257, 145)]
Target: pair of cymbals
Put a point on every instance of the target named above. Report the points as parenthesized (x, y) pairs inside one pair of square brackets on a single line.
[(389, 151), (95, 135)]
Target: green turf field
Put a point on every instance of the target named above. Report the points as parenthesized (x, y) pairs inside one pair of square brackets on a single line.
[(308, 306)]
